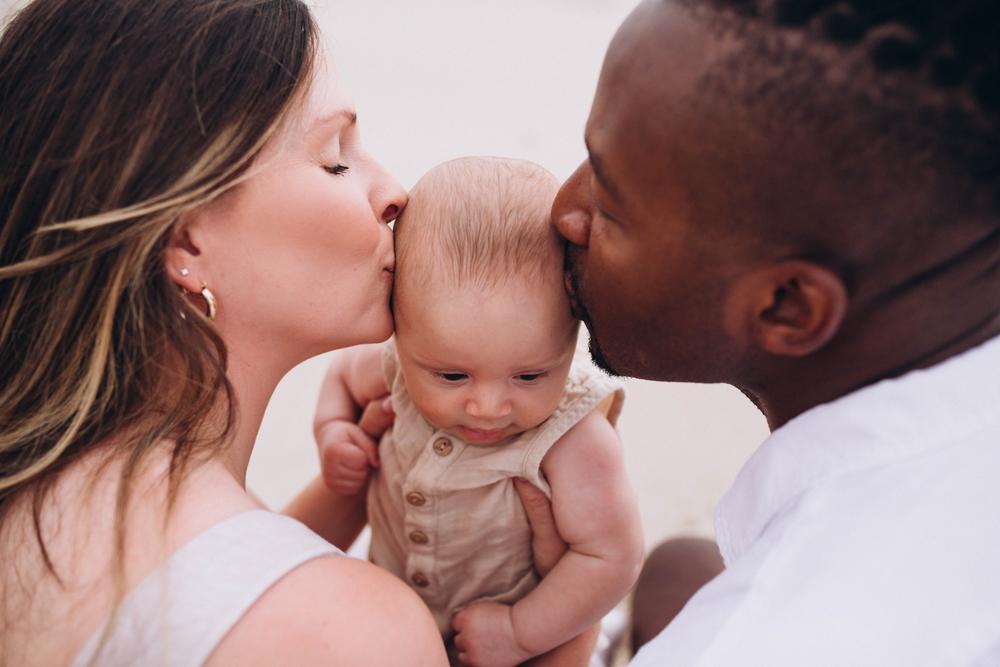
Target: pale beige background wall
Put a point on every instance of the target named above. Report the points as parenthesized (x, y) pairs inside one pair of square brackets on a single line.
[(436, 79)]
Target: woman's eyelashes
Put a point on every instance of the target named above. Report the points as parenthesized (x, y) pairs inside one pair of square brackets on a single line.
[(336, 169)]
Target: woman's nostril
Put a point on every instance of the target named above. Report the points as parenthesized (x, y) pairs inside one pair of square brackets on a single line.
[(390, 213)]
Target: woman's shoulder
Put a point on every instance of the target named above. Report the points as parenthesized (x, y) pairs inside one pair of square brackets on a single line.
[(334, 610)]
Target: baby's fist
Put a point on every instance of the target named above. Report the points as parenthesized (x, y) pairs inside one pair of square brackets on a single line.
[(485, 636), (346, 455)]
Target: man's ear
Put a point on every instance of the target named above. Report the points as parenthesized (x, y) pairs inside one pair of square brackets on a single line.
[(184, 260), (792, 308)]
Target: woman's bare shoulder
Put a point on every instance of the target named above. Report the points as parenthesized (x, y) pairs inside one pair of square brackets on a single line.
[(334, 610)]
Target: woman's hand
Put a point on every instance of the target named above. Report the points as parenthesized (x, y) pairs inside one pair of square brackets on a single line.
[(377, 417)]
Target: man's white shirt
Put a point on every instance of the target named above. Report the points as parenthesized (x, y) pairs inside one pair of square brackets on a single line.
[(864, 532)]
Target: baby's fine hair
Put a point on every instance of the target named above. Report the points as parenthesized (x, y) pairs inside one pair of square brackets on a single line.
[(477, 221)]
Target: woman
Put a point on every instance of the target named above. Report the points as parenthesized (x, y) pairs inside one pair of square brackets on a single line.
[(186, 214)]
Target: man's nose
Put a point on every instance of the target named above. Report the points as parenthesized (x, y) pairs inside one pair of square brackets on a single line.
[(570, 211)]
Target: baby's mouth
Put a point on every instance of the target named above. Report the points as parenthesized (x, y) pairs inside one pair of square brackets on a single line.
[(478, 434)]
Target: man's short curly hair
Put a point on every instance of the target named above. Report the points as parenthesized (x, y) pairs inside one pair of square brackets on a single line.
[(921, 76)]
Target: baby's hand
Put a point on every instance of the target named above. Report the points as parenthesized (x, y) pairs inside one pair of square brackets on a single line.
[(485, 636), (346, 454)]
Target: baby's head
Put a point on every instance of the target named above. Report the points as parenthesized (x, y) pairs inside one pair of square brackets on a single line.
[(483, 325)]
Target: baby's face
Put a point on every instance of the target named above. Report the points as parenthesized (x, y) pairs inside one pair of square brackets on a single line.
[(485, 364)]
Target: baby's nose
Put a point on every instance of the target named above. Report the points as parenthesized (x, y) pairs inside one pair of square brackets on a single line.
[(486, 406)]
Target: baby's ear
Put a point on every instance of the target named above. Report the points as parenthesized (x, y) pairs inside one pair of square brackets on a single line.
[(792, 308)]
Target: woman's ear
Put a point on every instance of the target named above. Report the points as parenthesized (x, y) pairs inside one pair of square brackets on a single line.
[(792, 308), (183, 257)]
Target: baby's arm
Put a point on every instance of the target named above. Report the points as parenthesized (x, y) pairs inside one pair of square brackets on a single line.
[(596, 513), (332, 506), (346, 452)]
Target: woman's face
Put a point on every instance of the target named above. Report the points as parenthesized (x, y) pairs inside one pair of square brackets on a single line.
[(300, 255)]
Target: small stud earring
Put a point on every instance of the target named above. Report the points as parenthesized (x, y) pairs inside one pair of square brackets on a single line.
[(185, 272)]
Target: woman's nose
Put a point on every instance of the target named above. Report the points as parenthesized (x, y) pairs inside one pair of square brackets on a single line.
[(389, 197), (570, 210)]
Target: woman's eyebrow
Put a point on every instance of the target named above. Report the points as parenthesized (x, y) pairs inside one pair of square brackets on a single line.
[(346, 117)]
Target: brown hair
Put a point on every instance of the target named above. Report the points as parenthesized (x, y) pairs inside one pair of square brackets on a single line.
[(116, 118), (478, 221)]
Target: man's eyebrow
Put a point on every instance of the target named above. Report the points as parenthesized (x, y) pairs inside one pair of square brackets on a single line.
[(597, 166)]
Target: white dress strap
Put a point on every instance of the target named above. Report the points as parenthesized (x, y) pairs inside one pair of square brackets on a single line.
[(179, 613)]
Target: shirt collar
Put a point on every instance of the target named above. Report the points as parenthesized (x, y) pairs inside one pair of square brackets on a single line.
[(888, 421)]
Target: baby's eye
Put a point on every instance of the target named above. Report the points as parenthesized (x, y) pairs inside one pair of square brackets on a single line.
[(530, 377), (452, 377)]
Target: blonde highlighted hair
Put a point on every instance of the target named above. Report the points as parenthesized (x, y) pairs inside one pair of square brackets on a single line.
[(117, 117)]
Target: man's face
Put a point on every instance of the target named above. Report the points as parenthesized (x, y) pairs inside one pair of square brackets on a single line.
[(647, 278)]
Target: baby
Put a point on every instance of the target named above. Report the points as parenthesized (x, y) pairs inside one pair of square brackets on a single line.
[(485, 389)]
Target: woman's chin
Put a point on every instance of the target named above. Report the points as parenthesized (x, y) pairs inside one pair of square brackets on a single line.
[(376, 329)]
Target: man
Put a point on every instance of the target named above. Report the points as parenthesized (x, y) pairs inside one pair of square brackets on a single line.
[(802, 198)]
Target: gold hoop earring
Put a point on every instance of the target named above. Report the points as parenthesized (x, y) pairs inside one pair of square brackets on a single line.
[(212, 304)]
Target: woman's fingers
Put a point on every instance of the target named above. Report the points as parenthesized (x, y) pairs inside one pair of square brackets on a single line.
[(546, 543), (368, 446), (377, 417)]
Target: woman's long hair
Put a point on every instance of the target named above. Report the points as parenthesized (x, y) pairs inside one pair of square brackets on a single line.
[(116, 118)]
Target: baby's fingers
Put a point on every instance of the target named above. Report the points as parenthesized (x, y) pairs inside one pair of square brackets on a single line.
[(460, 647)]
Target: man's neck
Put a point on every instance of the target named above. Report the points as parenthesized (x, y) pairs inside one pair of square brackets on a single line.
[(853, 366)]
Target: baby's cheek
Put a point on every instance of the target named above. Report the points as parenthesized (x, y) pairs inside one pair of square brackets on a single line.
[(434, 407), (543, 405)]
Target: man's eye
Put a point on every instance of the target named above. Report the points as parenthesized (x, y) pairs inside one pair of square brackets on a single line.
[(602, 212), (452, 377), (337, 169)]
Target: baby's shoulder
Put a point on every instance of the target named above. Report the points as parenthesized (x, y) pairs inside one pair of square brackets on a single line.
[(589, 443)]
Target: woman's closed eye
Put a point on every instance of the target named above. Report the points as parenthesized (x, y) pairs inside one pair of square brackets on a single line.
[(336, 169)]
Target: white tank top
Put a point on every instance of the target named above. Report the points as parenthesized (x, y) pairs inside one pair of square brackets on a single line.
[(179, 613)]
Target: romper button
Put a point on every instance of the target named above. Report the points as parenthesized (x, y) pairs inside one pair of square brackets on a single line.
[(442, 446), (419, 537), (419, 579), (415, 498)]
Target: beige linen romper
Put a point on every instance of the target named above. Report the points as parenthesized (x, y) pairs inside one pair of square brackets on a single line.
[(444, 514)]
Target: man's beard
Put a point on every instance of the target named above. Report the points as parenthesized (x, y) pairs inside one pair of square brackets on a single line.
[(572, 279)]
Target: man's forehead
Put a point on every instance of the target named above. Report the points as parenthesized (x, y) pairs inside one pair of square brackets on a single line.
[(648, 81), (660, 47)]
